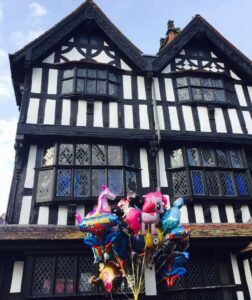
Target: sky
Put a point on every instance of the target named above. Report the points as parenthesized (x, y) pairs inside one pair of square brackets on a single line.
[(144, 22)]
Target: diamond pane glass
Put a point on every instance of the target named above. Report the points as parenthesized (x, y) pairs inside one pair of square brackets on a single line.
[(176, 158), (98, 155), (115, 181), (98, 179), (208, 94), (131, 181), (212, 183), (67, 86), (193, 156), (206, 82), (196, 94), (194, 81), (241, 183), (66, 154), (197, 183), (48, 157), (63, 183), (91, 73), (86, 270), (45, 185), (235, 158), (181, 81), (42, 276), (219, 95), (82, 157), (81, 183), (68, 73), (217, 83), (207, 158), (114, 155), (65, 275), (221, 158), (112, 77), (113, 89), (91, 86), (183, 94), (80, 85), (231, 97), (129, 158), (193, 276), (227, 184), (82, 72), (101, 87), (179, 182), (102, 74)]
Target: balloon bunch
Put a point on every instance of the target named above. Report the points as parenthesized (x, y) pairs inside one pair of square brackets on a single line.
[(129, 230)]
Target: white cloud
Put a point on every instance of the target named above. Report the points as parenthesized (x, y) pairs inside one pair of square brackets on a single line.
[(21, 38), (6, 90), (37, 10), (7, 153)]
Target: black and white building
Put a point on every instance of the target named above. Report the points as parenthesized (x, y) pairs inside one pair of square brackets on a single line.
[(94, 109)]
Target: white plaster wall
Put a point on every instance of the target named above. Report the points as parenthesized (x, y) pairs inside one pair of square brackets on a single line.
[(98, 116), (128, 116), (32, 113), (143, 117), (49, 117), (145, 168)]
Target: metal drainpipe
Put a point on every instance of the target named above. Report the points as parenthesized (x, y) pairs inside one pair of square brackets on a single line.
[(157, 126)]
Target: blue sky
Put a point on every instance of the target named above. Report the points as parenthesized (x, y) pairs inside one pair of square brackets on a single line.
[(142, 21)]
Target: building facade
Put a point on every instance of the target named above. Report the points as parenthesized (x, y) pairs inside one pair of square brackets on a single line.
[(94, 110)]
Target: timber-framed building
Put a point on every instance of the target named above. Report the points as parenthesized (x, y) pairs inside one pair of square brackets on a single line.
[(94, 109)]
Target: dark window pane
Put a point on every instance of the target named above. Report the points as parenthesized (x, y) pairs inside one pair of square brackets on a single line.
[(197, 183), (81, 72), (208, 94), (83, 39), (227, 183), (181, 81), (68, 73), (42, 276), (183, 94), (63, 183), (66, 154), (129, 158), (194, 81), (179, 182), (235, 158), (219, 95), (98, 179), (67, 86), (48, 157), (176, 158), (241, 183), (102, 74), (221, 158), (114, 155), (45, 185), (86, 270), (217, 83), (101, 87), (196, 94), (131, 181), (207, 157), (65, 275), (112, 77), (115, 181), (113, 89), (206, 82), (80, 85), (193, 156), (91, 73), (94, 41), (82, 154), (98, 155), (91, 86), (81, 183), (212, 183), (231, 97)]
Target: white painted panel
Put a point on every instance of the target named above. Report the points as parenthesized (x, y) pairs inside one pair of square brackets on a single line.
[(230, 213), (174, 118), (128, 116), (167, 69), (49, 117), (43, 216), (188, 118), (215, 214), (66, 112), (248, 121), (235, 268), (199, 215), (29, 178), (234, 120), (240, 295), (184, 214), (233, 75), (17, 276), (50, 59), (169, 90), (124, 66), (144, 167), (250, 92), (240, 95), (162, 171), (127, 87), (80, 210), (143, 117), (98, 117), (204, 119), (156, 89), (52, 81), (82, 113), (245, 213), (25, 210), (73, 54), (113, 115), (248, 276), (62, 215), (141, 88), (32, 113), (150, 281), (36, 80), (160, 116), (219, 120), (103, 58)]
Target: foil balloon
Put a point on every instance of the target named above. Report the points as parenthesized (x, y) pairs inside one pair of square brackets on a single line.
[(171, 217), (132, 216)]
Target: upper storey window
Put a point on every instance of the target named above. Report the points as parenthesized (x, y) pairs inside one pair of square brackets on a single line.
[(190, 88), (90, 81)]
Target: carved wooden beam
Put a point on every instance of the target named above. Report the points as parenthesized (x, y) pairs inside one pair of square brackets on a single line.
[(56, 232)]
